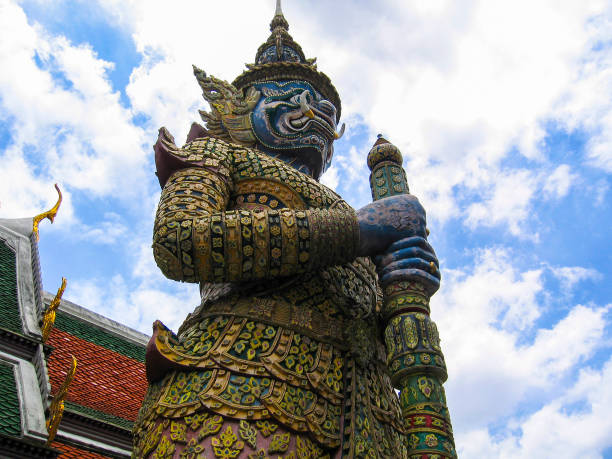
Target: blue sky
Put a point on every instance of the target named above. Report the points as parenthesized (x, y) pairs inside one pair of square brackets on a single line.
[(503, 112)]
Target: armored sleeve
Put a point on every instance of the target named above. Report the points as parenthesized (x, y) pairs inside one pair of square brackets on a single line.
[(197, 240)]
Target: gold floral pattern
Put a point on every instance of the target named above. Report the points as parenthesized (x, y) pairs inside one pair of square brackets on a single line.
[(248, 433), (210, 426), (165, 449), (227, 445), (279, 443), (266, 427), (177, 431), (193, 450)]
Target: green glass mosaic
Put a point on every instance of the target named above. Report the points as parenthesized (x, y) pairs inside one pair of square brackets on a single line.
[(9, 308), (10, 417), (99, 415), (100, 337)]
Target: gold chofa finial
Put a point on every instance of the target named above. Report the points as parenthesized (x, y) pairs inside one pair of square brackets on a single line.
[(56, 409), (50, 214), (49, 316)]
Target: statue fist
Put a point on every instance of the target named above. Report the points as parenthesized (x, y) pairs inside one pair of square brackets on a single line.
[(387, 220), (410, 259)]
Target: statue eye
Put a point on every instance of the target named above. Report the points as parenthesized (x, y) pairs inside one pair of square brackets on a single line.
[(308, 96)]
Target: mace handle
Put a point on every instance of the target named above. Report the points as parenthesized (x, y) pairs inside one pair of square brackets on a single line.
[(414, 357)]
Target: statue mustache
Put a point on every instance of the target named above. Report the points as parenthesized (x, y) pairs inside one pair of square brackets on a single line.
[(308, 112)]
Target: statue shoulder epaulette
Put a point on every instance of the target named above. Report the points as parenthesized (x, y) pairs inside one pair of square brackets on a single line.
[(201, 150)]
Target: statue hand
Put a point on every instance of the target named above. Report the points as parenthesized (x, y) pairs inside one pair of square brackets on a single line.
[(387, 220), (411, 258)]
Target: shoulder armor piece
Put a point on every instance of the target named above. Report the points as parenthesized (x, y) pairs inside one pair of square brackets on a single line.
[(200, 151)]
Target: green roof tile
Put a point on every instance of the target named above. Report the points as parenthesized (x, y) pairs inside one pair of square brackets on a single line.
[(10, 417), (99, 415), (98, 336), (9, 309)]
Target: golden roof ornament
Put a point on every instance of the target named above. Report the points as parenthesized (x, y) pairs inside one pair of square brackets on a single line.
[(49, 316), (56, 409), (50, 214)]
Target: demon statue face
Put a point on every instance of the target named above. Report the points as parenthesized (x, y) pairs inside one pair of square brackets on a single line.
[(286, 118), (293, 119)]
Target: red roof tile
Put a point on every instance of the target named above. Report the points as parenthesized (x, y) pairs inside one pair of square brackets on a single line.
[(105, 380), (72, 452)]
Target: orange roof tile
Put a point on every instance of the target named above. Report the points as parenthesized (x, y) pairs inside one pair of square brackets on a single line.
[(105, 380), (72, 452)]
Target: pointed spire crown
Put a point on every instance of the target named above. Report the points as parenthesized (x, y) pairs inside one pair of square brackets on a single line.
[(280, 46), (279, 20), (281, 57)]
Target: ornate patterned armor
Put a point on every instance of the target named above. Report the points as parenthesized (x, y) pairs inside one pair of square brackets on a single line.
[(284, 356)]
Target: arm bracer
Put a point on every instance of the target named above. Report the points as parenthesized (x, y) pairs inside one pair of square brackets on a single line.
[(188, 194), (203, 242)]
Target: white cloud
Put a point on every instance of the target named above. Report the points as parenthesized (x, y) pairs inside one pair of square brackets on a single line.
[(575, 424), (586, 105), (172, 39), (136, 304), (572, 275), (330, 177), (558, 350), (486, 314), (600, 190), (458, 86), (25, 194), (558, 183), (108, 231), (64, 113), (507, 202)]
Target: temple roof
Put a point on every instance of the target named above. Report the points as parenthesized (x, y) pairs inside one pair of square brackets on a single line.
[(74, 452), (23, 376), (10, 418), (110, 382), (105, 395)]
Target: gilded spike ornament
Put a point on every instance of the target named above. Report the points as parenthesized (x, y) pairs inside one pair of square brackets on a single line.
[(49, 316), (294, 351), (56, 409), (50, 214)]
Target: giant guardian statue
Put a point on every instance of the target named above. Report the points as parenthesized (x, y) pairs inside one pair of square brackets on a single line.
[(297, 347)]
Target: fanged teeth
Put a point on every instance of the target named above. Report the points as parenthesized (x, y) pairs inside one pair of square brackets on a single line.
[(337, 135), (299, 122)]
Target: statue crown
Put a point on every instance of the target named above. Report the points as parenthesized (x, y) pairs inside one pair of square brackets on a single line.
[(280, 57)]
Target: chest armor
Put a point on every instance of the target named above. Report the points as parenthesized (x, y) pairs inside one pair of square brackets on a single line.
[(261, 182), (299, 351)]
